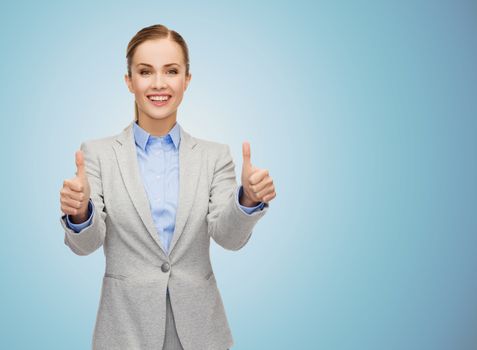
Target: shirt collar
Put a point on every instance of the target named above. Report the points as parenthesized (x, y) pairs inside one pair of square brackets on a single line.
[(142, 137)]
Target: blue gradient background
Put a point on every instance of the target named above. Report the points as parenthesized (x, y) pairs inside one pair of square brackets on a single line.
[(364, 112)]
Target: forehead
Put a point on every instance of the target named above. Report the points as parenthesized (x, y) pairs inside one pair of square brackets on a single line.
[(158, 52)]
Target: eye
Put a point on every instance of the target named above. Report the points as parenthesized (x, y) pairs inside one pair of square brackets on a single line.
[(144, 72), (174, 71)]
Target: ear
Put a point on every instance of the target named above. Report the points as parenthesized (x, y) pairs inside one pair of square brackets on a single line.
[(188, 78), (128, 83)]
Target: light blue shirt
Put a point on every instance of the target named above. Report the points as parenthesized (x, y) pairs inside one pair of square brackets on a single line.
[(158, 160)]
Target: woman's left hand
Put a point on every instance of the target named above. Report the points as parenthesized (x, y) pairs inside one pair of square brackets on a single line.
[(257, 183)]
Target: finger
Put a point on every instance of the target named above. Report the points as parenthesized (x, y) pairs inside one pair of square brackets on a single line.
[(265, 192), (247, 164), (74, 185), (269, 197), (68, 193), (267, 181), (68, 210), (68, 202), (258, 176), (80, 168)]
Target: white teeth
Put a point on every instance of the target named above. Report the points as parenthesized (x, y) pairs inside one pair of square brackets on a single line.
[(159, 98)]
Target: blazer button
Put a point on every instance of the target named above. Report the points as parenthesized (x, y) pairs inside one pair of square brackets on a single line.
[(165, 267)]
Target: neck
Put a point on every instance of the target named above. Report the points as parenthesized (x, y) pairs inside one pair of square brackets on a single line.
[(157, 127)]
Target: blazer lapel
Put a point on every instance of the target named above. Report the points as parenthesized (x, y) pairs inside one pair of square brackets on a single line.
[(190, 160), (125, 149)]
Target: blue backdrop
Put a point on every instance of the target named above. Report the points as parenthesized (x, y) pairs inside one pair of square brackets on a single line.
[(364, 112)]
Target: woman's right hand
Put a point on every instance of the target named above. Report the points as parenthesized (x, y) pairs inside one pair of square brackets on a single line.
[(75, 194)]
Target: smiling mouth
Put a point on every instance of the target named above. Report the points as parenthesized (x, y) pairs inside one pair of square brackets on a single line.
[(159, 100)]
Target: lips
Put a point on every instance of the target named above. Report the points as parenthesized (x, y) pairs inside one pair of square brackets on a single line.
[(156, 99)]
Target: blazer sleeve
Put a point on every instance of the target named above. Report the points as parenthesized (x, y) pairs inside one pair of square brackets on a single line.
[(228, 224), (92, 237)]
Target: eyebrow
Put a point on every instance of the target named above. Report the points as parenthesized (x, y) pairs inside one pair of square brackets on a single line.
[(166, 65)]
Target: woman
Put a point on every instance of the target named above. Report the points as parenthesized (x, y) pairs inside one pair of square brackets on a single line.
[(153, 196)]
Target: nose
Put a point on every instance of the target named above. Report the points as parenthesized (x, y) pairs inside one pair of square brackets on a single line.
[(159, 81)]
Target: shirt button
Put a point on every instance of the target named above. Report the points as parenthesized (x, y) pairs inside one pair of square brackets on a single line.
[(165, 267)]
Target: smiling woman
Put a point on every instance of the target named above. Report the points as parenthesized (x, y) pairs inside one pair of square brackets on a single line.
[(158, 65), (153, 196)]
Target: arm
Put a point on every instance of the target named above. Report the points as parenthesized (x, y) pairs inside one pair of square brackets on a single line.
[(228, 224), (91, 237)]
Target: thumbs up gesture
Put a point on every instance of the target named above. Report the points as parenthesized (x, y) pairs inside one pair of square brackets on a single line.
[(74, 195), (257, 183)]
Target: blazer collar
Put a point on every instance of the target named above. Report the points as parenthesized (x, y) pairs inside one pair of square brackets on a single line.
[(142, 137), (190, 160)]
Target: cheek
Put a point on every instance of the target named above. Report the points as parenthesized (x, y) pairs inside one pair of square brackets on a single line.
[(179, 88), (177, 84), (140, 85)]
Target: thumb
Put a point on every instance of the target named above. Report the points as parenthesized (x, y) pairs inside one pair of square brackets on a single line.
[(247, 165), (80, 169)]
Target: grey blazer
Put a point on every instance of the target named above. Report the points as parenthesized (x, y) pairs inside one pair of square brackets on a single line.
[(132, 307)]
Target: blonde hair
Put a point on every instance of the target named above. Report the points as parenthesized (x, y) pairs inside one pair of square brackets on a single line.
[(157, 31)]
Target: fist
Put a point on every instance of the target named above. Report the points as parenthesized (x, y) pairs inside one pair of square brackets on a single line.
[(74, 195), (257, 183)]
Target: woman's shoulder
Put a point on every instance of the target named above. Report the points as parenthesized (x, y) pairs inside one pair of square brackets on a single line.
[(209, 144), (102, 144), (99, 144), (212, 147)]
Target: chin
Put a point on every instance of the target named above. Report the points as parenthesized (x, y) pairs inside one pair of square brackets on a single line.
[(158, 113), (152, 116), (156, 116)]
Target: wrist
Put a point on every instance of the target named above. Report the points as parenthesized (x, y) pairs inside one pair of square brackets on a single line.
[(246, 202), (79, 218)]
